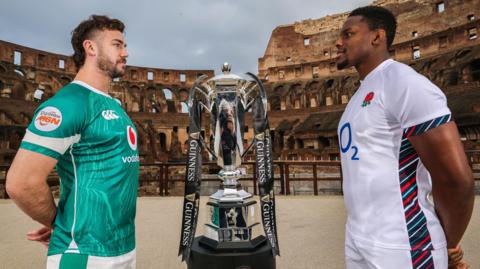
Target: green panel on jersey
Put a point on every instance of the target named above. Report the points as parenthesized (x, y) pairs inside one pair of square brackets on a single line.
[(40, 149), (98, 166), (73, 261)]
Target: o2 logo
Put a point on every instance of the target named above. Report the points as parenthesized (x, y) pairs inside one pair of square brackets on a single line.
[(345, 146)]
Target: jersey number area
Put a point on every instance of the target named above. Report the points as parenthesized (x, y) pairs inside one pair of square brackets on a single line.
[(346, 142)]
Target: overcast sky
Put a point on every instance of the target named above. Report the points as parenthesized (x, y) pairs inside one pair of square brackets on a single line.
[(181, 34)]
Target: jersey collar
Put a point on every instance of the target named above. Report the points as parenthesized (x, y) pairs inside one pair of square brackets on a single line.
[(377, 69), (89, 87)]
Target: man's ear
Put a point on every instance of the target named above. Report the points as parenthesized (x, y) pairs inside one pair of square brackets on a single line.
[(379, 37), (90, 47)]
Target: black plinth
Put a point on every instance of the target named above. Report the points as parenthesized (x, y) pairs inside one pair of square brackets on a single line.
[(203, 257)]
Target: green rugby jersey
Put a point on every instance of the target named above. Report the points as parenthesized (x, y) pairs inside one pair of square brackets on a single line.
[(95, 144)]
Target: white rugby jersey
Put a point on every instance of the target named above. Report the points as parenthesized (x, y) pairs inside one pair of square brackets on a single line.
[(385, 183)]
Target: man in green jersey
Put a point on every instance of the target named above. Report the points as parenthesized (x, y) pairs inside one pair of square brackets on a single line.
[(88, 137)]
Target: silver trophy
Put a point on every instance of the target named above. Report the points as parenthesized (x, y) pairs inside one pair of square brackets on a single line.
[(231, 226)]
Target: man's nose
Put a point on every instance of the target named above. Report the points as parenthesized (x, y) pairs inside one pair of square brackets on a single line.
[(339, 43)]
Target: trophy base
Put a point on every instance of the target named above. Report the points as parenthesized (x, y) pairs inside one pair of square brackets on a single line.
[(227, 255)]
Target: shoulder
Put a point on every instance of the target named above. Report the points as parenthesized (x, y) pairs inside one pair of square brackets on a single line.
[(401, 77), (71, 93)]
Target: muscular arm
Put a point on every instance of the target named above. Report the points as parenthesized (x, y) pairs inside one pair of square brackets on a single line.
[(443, 155), (27, 185)]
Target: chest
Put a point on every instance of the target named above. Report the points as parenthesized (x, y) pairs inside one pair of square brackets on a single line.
[(110, 126)]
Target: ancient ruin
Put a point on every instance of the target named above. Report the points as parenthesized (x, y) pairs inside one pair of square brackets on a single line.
[(306, 92)]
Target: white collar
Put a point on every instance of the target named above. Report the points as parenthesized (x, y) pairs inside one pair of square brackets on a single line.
[(81, 83)]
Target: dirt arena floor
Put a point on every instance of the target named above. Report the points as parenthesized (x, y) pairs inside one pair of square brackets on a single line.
[(310, 230)]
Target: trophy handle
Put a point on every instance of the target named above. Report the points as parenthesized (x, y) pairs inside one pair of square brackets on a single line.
[(264, 165), (193, 172)]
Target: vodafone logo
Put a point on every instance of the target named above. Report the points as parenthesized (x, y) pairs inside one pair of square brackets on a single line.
[(131, 137), (48, 119)]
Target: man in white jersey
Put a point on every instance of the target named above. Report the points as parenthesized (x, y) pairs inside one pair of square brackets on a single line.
[(398, 145), (86, 135)]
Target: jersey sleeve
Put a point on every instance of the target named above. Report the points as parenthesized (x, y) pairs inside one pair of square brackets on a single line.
[(56, 125), (414, 101)]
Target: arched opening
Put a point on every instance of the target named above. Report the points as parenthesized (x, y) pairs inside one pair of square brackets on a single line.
[(459, 55), (65, 80), (19, 91), (451, 78), (168, 94), (3, 69), (184, 107), (19, 72), (136, 102), (329, 83), (474, 67), (163, 142), (272, 135), (275, 103), (299, 143), (183, 94), (323, 142)]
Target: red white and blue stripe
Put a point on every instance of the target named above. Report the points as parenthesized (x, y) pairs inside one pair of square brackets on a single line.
[(418, 234)]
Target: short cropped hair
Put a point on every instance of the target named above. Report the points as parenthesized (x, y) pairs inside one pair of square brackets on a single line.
[(378, 18), (86, 30)]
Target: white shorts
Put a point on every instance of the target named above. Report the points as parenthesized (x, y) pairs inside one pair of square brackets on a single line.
[(61, 261), (360, 256)]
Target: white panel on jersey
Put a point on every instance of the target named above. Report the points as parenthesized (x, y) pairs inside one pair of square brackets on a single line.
[(59, 145)]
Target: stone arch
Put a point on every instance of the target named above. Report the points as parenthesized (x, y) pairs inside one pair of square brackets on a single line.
[(65, 80), (168, 93), (183, 95), (170, 99), (461, 54), (135, 97), (474, 69), (3, 69), (295, 94), (330, 93), (163, 141), (184, 107), (19, 72), (25, 118), (19, 90), (155, 100), (451, 77), (276, 98), (6, 118), (311, 94)]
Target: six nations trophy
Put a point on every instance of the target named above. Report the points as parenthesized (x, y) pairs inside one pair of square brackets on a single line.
[(233, 237)]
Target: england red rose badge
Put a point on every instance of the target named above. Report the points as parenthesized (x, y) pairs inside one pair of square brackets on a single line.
[(368, 99)]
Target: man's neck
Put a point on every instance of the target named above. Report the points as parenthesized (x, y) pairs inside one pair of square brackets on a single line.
[(371, 63), (95, 78)]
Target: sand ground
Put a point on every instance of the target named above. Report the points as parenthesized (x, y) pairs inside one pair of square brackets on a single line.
[(310, 230)]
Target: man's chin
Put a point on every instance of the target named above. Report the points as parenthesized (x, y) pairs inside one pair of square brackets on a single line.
[(342, 65), (117, 74)]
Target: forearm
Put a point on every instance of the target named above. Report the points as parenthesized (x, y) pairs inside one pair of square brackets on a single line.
[(36, 201), (454, 206)]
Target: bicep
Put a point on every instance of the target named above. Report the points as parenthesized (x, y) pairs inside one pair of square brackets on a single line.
[(442, 154), (30, 166)]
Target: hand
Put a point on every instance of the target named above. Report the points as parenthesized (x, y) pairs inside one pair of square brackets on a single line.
[(460, 265), (41, 235), (455, 256)]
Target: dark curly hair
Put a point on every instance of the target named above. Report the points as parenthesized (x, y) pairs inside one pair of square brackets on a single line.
[(86, 29), (378, 18)]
